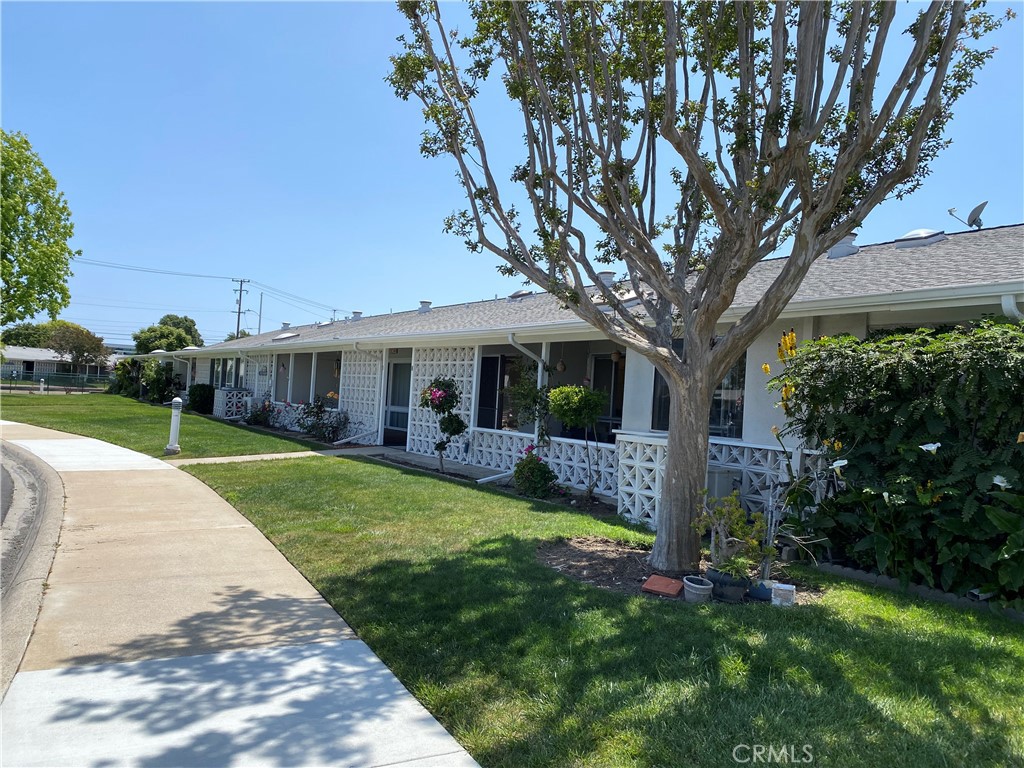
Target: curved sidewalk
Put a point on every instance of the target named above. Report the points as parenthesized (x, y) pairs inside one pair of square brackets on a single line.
[(173, 633)]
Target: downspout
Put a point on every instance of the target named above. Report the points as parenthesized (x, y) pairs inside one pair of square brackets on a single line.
[(1009, 306), (524, 350), (188, 369), (541, 376)]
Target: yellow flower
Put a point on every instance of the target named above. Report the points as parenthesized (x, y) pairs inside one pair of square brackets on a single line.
[(767, 369), (837, 445), (1020, 437), (780, 353), (775, 430)]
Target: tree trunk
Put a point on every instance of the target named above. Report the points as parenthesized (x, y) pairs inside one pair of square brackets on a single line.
[(677, 545)]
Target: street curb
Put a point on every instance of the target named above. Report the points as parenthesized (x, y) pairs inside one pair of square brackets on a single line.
[(24, 596)]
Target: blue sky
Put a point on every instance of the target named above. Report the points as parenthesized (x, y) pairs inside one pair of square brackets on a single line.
[(259, 140)]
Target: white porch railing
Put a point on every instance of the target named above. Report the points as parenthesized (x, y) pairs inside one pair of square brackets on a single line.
[(500, 450), (497, 449), (569, 460), (230, 403)]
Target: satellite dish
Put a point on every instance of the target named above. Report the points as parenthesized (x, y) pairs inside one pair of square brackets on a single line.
[(974, 217)]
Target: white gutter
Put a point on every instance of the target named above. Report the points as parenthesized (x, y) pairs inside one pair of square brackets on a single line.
[(1009, 305)]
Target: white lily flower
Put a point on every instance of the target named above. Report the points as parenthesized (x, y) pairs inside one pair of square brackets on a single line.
[(930, 447), (1001, 482), (885, 495), (838, 464)]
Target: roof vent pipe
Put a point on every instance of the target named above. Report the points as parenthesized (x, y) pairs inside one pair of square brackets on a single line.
[(285, 326), (607, 278), (844, 247), (424, 306), (356, 314)]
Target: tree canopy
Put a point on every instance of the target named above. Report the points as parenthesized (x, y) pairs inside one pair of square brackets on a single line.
[(679, 144), (185, 324), (242, 334), (78, 345), (34, 334), (35, 254), (165, 337)]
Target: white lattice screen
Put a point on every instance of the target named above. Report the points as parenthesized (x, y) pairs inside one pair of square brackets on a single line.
[(359, 392), (259, 375), (457, 363)]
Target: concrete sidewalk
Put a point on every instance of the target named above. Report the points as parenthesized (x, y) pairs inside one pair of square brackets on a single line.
[(173, 633)]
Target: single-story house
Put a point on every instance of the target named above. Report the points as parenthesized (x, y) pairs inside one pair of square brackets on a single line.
[(33, 363), (379, 364)]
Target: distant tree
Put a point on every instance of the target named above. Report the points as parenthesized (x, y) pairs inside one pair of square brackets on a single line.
[(163, 337), (679, 144), (186, 324), (242, 334), (78, 346), (35, 255), (34, 334)]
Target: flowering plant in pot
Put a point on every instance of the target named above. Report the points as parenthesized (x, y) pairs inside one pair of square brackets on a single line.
[(737, 542)]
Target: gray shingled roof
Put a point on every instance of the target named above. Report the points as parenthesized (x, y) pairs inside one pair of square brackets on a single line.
[(979, 257), (982, 257)]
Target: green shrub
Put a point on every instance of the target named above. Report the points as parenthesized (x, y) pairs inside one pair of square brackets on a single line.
[(928, 423), (532, 476), (126, 378), (200, 398), (321, 421), (158, 379)]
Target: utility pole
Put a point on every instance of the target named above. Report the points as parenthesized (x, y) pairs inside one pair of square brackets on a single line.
[(238, 319)]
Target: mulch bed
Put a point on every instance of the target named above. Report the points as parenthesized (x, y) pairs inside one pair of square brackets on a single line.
[(622, 567)]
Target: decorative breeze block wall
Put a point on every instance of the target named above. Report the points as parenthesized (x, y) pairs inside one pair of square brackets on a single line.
[(359, 390), (458, 363)]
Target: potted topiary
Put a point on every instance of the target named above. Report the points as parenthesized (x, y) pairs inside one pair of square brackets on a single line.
[(736, 543), (579, 407)]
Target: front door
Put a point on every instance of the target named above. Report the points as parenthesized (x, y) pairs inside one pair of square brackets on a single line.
[(396, 412)]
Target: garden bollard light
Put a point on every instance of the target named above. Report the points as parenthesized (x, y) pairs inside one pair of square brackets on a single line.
[(172, 445), (42, 385)]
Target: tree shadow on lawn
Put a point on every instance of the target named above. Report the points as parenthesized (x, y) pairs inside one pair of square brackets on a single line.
[(528, 667)]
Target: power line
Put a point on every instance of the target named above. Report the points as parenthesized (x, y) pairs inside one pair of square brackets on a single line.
[(153, 270), (271, 290)]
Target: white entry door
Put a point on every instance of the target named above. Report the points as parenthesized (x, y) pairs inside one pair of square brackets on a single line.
[(396, 415)]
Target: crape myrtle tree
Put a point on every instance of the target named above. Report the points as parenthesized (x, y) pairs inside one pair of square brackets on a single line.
[(682, 143)]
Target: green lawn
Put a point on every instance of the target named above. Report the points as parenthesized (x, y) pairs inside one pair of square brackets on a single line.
[(141, 426), (527, 667)]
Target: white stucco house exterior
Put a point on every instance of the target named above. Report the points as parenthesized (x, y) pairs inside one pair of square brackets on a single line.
[(379, 364)]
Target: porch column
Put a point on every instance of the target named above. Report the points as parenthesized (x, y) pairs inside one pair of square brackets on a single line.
[(291, 376), (312, 378)]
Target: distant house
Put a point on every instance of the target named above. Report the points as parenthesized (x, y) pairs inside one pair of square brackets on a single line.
[(33, 363), (379, 364)]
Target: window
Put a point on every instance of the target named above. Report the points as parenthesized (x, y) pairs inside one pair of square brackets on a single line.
[(726, 417)]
